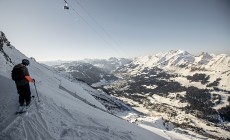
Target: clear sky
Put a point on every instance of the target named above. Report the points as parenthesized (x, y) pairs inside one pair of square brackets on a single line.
[(121, 28)]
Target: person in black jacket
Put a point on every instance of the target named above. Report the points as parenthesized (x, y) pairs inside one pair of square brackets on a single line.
[(22, 84)]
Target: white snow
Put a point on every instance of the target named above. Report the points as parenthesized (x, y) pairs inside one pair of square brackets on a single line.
[(185, 82), (150, 87)]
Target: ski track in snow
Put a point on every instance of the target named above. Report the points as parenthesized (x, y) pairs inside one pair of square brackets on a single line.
[(34, 126)]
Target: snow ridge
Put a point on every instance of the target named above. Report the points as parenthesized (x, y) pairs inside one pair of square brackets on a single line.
[(183, 59)]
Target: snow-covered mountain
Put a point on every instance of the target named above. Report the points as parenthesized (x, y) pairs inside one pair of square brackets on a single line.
[(53, 63), (108, 65), (181, 62)]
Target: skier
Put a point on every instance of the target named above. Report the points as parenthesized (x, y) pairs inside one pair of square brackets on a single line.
[(20, 75)]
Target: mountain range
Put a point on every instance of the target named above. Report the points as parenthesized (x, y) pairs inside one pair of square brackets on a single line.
[(190, 91)]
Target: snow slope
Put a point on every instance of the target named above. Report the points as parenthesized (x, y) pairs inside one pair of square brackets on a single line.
[(60, 114)]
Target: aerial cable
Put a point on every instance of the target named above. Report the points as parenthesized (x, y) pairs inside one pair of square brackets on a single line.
[(67, 6), (99, 25), (102, 28), (87, 23), (90, 26)]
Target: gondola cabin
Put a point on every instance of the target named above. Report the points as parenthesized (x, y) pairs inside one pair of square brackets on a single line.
[(66, 6)]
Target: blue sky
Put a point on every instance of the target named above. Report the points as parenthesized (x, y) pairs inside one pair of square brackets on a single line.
[(115, 28)]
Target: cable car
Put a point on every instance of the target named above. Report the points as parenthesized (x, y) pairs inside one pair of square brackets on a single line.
[(66, 5)]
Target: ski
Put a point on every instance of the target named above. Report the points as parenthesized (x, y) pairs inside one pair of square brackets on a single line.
[(24, 109), (20, 110)]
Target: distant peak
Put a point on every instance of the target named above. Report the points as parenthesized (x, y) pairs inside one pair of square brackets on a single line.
[(206, 55), (178, 52), (113, 59)]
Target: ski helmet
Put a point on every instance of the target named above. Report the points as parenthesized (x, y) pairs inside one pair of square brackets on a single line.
[(25, 62)]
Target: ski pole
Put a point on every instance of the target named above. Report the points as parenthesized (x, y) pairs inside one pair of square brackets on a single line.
[(36, 92)]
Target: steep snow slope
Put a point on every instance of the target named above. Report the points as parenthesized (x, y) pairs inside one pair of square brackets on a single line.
[(60, 114)]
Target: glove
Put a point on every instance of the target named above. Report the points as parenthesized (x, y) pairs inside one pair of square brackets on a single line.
[(34, 80)]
